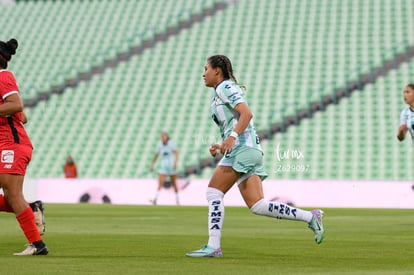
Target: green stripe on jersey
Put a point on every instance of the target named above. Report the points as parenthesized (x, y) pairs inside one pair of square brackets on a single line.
[(227, 95), (407, 118)]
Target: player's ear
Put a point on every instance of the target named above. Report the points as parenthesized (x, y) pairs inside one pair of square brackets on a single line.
[(217, 70)]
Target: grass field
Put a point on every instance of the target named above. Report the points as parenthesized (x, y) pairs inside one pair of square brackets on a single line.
[(109, 239)]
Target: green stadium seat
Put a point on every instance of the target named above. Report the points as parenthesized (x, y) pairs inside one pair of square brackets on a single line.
[(286, 62)]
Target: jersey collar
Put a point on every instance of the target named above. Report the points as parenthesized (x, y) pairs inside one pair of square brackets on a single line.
[(223, 81)]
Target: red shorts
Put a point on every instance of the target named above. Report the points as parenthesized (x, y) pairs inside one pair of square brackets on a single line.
[(15, 158)]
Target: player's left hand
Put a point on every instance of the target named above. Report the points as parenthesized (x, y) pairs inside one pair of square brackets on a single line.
[(227, 145)]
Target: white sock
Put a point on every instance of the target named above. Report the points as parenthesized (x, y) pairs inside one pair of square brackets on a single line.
[(156, 195), (280, 211), (215, 216), (176, 198)]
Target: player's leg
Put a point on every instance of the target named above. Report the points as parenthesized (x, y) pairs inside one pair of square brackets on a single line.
[(13, 192), (161, 181), (173, 178), (252, 193), (39, 213), (4, 205), (37, 208), (223, 179)]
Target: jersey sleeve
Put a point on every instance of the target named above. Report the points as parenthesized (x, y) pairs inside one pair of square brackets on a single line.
[(231, 95), (8, 84), (403, 118)]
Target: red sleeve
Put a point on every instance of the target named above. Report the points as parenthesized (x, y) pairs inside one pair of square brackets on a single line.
[(7, 83)]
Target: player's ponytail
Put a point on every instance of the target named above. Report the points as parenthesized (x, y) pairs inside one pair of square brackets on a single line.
[(224, 63), (7, 49)]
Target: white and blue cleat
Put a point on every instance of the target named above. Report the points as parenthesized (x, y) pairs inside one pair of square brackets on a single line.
[(317, 226), (206, 251)]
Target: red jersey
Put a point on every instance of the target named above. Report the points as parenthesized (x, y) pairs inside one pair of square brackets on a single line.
[(11, 126), (70, 171)]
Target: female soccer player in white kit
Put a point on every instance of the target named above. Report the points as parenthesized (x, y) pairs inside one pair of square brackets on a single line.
[(242, 162), (168, 166), (407, 115)]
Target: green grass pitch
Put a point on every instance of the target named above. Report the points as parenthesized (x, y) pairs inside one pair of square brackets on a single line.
[(111, 239)]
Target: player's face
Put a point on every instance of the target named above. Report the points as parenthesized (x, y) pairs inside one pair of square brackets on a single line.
[(210, 75), (164, 138), (408, 95)]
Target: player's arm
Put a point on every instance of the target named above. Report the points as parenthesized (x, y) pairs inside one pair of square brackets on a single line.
[(402, 131), (24, 118), (154, 159), (12, 104), (244, 120)]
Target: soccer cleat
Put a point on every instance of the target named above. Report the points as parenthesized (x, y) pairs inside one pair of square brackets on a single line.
[(32, 250), (39, 213), (206, 251), (317, 226)]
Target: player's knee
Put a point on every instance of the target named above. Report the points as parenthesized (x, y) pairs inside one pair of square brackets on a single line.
[(213, 194)]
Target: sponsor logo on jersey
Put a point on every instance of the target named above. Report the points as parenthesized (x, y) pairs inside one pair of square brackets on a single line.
[(234, 97), (7, 156)]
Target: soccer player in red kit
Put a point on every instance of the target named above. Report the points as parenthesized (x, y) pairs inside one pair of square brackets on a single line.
[(15, 154)]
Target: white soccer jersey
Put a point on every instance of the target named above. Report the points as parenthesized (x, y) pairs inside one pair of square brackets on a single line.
[(166, 152), (227, 96), (407, 118)]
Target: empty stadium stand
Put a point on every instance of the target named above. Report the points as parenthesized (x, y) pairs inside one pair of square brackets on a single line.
[(101, 79)]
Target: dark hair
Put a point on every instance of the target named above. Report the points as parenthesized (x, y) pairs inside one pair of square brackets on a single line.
[(224, 63), (411, 85), (7, 49)]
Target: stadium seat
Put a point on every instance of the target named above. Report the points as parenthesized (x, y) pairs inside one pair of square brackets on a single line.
[(288, 53)]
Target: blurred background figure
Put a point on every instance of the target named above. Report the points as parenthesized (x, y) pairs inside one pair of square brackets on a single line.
[(407, 117), (70, 168), (168, 164)]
